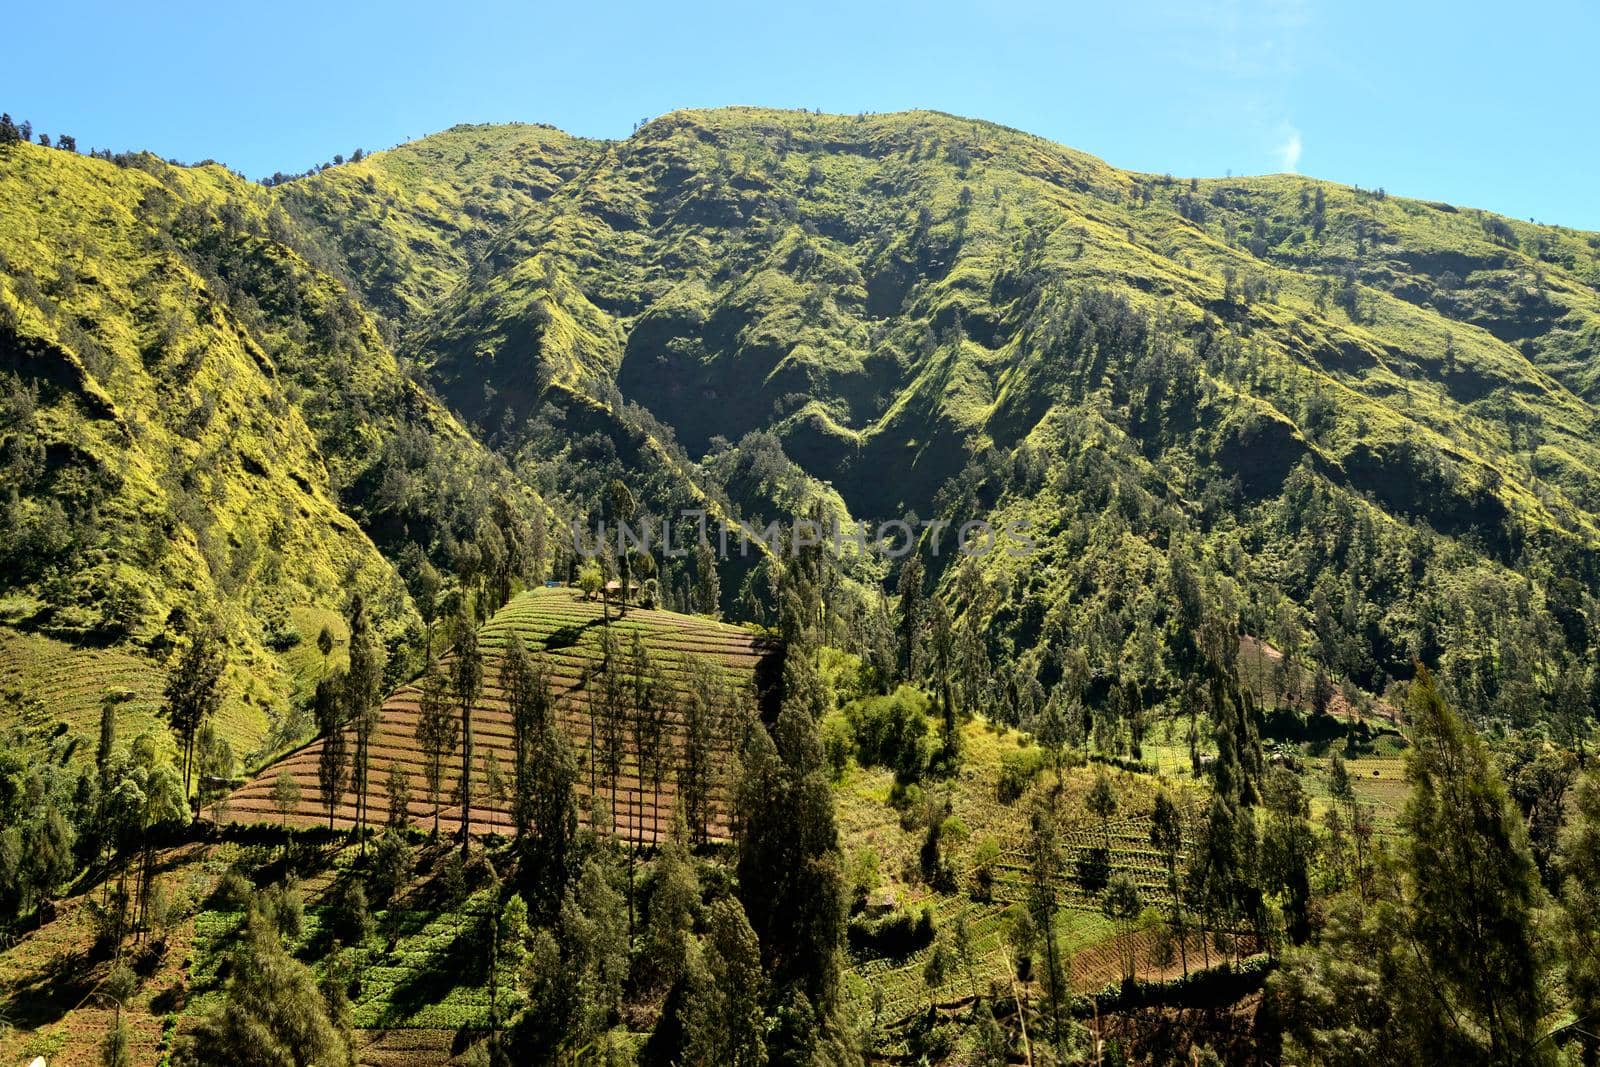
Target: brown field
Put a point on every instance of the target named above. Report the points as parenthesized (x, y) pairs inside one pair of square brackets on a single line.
[(563, 629)]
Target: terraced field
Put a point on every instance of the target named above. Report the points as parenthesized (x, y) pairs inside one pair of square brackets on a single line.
[(894, 987), (44, 683), (564, 630)]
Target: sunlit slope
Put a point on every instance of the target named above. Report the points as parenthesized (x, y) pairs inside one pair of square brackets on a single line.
[(201, 424)]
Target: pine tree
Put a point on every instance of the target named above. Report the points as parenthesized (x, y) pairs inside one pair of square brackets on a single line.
[(272, 1014), (708, 587), (333, 759), (1578, 925), (1166, 837), (624, 508), (363, 695), (1473, 881), (909, 591), (703, 710), (526, 684), (466, 673), (194, 692), (437, 732)]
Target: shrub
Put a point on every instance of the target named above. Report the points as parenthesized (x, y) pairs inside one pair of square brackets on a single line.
[(232, 893), (349, 920), (282, 906), (391, 866), (899, 933), (838, 742), (892, 731), (985, 858), (1017, 772)]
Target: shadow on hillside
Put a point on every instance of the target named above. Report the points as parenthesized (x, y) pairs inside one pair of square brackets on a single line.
[(462, 962), (569, 635), (52, 991)]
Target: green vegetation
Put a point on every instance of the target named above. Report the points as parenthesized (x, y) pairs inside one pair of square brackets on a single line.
[(1264, 730)]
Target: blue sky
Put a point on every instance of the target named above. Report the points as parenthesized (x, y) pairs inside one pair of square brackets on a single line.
[(1495, 106)]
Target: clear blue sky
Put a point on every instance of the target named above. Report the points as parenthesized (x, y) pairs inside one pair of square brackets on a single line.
[(1490, 105)]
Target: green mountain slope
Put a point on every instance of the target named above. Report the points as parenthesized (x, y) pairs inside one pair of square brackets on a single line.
[(201, 424), (1361, 426), (906, 301), (405, 225)]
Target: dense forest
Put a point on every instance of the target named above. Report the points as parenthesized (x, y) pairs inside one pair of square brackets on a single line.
[(1261, 734)]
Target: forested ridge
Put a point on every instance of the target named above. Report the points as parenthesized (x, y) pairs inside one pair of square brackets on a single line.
[(1274, 747)]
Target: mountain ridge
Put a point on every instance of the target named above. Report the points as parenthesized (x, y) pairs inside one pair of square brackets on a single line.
[(773, 310)]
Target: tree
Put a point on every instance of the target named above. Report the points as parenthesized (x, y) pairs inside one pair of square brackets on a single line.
[(608, 714), (272, 1014), (1122, 905), (363, 688), (723, 1018), (909, 590), (549, 847), (1287, 849), (791, 879), (1473, 878), (527, 692), (1437, 964), (194, 692), (333, 759), (437, 733), (702, 708), (708, 587), (1166, 837), (1578, 923), (942, 639), (674, 902), (936, 969), (397, 792), (653, 741), (1045, 867), (285, 796), (426, 582), (466, 672), (591, 579), (624, 508), (645, 719), (1102, 802), (494, 785)]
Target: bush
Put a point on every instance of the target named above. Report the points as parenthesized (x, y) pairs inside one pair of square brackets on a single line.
[(985, 858), (838, 742), (282, 906), (349, 920), (232, 893), (892, 731), (1017, 772), (897, 934), (391, 866)]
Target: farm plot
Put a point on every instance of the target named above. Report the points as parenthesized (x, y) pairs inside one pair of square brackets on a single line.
[(46, 683), (564, 631), (891, 988)]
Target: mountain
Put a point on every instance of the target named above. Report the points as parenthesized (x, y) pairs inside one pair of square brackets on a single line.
[(199, 423), (1364, 425), (1255, 452)]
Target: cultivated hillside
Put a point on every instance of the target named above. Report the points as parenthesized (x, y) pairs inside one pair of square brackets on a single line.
[(725, 667)]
